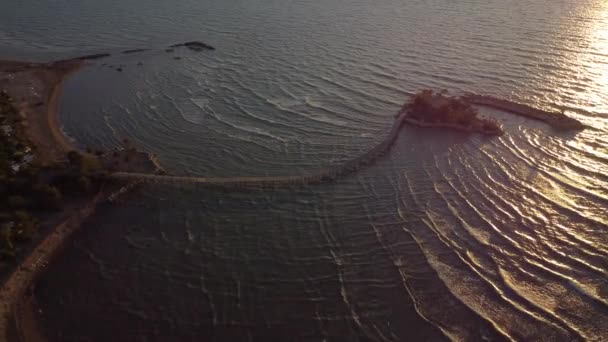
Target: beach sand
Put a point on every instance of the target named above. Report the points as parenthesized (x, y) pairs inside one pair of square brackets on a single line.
[(36, 89)]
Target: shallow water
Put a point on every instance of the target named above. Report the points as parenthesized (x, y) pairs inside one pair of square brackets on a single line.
[(448, 236)]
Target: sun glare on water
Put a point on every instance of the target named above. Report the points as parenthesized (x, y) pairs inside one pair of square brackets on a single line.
[(593, 60)]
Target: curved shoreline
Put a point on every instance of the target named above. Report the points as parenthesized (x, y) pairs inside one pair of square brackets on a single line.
[(44, 130), (53, 112), (37, 88)]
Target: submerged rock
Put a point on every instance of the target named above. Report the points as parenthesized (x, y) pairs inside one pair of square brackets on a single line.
[(134, 51), (194, 46), (95, 56)]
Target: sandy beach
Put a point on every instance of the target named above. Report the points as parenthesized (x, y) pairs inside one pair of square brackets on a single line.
[(36, 89)]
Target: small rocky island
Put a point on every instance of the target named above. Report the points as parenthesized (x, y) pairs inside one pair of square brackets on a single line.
[(437, 109)]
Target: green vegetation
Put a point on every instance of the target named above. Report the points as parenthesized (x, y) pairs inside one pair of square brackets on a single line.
[(30, 191), (439, 108)]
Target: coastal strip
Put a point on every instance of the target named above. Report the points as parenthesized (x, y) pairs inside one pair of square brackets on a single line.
[(36, 88), (33, 91), (19, 323)]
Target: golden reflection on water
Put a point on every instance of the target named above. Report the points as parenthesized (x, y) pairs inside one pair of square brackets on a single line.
[(593, 60), (584, 40)]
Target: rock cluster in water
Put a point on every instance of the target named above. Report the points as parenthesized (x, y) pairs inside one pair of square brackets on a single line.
[(194, 46)]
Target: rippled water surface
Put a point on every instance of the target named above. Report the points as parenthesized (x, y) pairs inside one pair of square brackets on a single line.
[(448, 236)]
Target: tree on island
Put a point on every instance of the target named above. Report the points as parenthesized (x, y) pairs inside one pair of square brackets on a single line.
[(429, 107)]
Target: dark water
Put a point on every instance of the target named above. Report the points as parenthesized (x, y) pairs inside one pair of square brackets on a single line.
[(449, 236)]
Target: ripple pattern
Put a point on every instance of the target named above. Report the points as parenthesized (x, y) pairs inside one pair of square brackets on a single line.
[(449, 237)]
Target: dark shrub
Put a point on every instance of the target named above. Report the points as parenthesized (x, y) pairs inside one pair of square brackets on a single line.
[(47, 197), (74, 157), (84, 183), (16, 202)]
